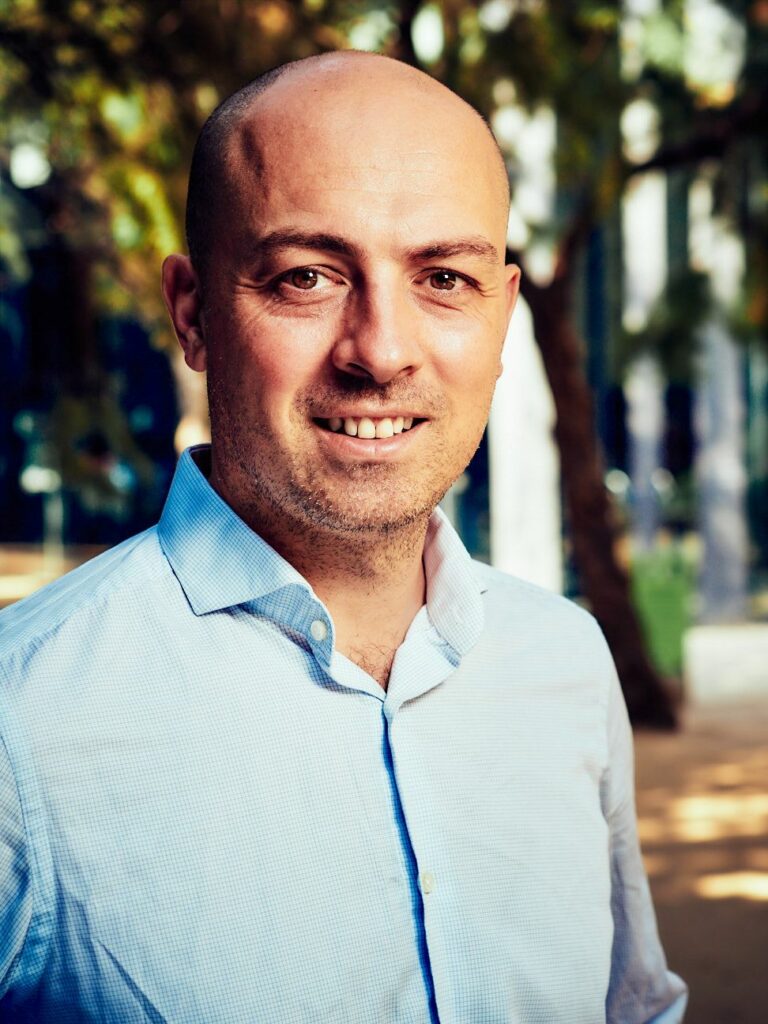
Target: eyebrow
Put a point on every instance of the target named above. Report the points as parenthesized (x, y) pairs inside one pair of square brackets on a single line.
[(473, 245), (275, 241)]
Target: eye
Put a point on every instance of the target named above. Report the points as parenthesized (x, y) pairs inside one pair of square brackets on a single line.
[(305, 278), (444, 280), (307, 285)]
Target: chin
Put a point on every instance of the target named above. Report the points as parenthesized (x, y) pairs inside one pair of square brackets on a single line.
[(380, 515)]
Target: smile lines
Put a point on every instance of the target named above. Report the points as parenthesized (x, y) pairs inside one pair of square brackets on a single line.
[(368, 428)]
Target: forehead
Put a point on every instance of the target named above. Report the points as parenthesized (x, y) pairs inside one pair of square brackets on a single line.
[(355, 151)]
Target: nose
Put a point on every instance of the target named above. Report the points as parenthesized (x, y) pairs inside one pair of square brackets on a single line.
[(380, 341)]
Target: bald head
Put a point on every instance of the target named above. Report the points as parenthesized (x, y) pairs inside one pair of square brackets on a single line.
[(344, 86), (348, 220)]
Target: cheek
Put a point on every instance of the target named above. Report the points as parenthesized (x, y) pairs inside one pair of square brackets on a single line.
[(264, 363), (469, 369)]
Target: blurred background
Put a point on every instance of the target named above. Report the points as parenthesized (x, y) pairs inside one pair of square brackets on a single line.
[(626, 460)]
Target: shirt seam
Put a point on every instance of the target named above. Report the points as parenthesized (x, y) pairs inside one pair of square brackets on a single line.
[(490, 578), (104, 590)]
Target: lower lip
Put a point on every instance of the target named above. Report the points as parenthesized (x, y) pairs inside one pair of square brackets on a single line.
[(363, 449)]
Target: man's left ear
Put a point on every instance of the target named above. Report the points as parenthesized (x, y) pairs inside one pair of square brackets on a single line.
[(512, 281), (512, 272), (181, 291)]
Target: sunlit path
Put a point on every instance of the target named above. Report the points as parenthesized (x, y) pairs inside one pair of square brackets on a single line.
[(703, 816)]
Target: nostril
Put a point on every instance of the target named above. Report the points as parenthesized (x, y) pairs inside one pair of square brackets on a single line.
[(374, 358), (359, 371)]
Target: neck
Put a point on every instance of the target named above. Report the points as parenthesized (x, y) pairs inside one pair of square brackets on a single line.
[(371, 581), (373, 586)]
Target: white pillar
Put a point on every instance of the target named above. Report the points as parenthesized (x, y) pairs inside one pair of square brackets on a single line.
[(644, 390), (524, 467), (719, 419), (721, 476), (644, 233)]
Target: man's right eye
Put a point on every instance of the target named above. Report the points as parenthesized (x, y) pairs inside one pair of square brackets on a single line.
[(305, 279)]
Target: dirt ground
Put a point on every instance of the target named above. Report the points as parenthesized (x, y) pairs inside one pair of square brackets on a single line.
[(703, 813)]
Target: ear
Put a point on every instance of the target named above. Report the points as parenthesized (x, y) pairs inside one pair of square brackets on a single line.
[(181, 291), (512, 275), (512, 287)]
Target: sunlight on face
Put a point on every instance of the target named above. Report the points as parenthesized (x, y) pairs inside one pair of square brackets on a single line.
[(362, 283)]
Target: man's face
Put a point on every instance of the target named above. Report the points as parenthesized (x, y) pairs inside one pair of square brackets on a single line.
[(359, 289)]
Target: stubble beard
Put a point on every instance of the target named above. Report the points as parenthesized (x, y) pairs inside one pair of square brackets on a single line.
[(365, 505), (365, 501)]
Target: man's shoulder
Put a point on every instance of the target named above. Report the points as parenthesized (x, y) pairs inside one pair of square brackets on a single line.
[(549, 642), (502, 586), (107, 577), (511, 599)]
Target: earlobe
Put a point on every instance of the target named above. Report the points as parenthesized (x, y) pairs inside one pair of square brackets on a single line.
[(181, 291)]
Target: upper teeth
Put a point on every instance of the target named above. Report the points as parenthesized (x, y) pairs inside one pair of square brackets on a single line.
[(368, 428)]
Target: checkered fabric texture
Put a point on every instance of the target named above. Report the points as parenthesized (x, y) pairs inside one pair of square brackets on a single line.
[(210, 816)]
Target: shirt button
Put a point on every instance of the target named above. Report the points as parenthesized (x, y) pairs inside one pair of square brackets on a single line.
[(319, 630), (427, 882)]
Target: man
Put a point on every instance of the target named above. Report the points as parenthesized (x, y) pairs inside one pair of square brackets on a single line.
[(291, 756)]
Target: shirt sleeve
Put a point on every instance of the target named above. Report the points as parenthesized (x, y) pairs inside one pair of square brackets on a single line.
[(642, 990), (15, 888)]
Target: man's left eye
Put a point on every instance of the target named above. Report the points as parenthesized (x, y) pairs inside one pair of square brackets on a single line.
[(444, 280)]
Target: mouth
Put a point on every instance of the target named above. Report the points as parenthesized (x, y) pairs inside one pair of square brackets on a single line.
[(369, 428)]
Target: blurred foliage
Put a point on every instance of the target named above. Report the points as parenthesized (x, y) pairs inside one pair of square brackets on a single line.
[(671, 334), (664, 587), (114, 93)]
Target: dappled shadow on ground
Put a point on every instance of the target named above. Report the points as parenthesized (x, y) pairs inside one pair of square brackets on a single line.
[(703, 816)]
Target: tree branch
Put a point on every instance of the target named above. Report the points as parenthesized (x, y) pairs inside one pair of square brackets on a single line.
[(715, 134)]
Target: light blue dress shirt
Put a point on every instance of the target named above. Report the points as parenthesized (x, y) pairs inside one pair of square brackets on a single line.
[(208, 815)]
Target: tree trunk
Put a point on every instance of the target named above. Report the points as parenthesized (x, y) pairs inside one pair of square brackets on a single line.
[(593, 531)]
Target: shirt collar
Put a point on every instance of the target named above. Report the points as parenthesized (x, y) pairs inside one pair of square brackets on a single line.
[(454, 597), (220, 562)]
